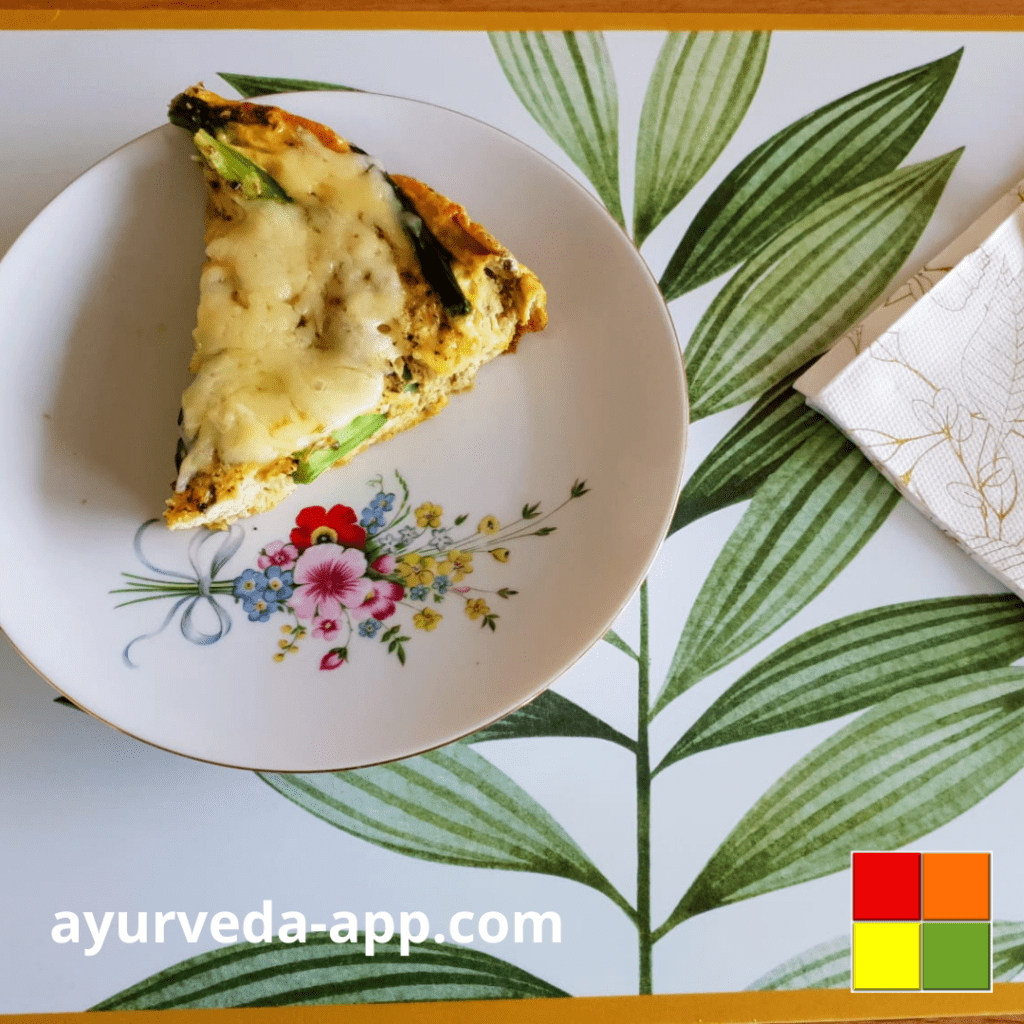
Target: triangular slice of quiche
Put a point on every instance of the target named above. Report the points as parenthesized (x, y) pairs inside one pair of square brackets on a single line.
[(338, 306)]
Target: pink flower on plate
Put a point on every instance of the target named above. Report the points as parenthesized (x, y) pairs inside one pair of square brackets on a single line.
[(385, 565), (380, 602), (325, 627), (278, 553), (327, 578), (334, 658)]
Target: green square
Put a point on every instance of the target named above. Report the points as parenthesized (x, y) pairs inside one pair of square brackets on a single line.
[(956, 955)]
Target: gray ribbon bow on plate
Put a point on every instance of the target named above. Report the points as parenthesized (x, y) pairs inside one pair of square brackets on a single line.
[(201, 585)]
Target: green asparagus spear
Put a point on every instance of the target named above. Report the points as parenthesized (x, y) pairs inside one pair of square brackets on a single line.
[(313, 463), (203, 123)]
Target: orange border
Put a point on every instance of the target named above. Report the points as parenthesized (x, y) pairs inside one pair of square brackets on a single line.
[(476, 21), (714, 1008)]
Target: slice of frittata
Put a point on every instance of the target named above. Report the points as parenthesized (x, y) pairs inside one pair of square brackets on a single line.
[(338, 306)]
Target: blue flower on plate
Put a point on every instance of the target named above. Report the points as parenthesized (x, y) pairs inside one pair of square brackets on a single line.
[(260, 607), (383, 502), (419, 593), (369, 627), (441, 585), (372, 520), (280, 584), (250, 584)]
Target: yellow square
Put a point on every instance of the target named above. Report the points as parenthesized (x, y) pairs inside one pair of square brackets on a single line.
[(886, 955)]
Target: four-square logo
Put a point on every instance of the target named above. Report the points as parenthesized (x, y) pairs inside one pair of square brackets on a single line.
[(922, 922)]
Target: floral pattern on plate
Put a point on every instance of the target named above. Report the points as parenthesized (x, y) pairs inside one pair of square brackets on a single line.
[(341, 576)]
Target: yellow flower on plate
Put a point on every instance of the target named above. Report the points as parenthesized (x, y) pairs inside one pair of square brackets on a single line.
[(429, 514), (489, 524), (279, 656), (501, 554), (457, 565), (474, 609), (417, 570), (427, 619)]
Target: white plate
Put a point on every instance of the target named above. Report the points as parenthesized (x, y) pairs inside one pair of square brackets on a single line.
[(98, 301)]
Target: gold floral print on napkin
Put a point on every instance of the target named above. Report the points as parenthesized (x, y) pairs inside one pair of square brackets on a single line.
[(936, 399)]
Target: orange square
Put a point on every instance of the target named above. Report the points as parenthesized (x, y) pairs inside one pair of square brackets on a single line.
[(956, 886)]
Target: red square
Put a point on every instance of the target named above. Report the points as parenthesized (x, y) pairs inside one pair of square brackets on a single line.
[(887, 886)]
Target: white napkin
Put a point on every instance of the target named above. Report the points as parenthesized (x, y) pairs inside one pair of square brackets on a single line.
[(931, 387)]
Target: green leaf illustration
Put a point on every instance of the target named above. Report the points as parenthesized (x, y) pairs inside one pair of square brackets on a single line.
[(259, 85), (838, 147), (565, 80), (772, 430), (613, 638), (551, 714), (797, 294), (698, 94), (1007, 950), (827, 965), (451, 806), (903, 769), (320, 971), (804, 525), (854, 662)]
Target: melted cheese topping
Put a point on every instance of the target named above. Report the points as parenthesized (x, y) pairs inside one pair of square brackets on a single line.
[(297, 302)]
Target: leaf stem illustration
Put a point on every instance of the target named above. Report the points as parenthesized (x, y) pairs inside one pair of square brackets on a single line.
[(643, 803)]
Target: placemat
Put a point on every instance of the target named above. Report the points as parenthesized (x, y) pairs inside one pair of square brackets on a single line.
[(825, 672)]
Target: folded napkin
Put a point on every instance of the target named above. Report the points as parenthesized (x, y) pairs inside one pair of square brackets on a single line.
[(931, 387)]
